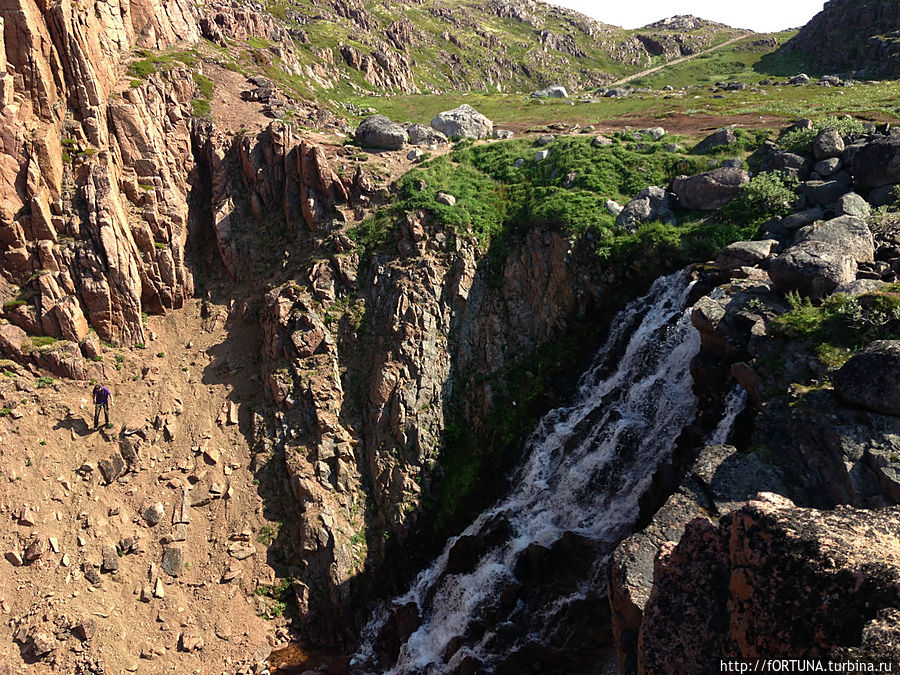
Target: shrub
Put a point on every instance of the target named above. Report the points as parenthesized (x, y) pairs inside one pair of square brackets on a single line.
[(801, 141), (767, 195)]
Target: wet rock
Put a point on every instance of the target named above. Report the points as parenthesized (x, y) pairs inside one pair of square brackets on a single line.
[(813, 268), (404, 621), (711, 190), (871, 378), (379, 132)]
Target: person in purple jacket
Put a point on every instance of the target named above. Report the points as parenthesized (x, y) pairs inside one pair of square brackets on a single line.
[(102, 399)]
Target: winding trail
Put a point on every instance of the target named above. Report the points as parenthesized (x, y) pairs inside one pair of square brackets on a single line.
[(675, 62)]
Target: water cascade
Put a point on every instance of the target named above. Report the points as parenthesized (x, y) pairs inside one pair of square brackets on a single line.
[(586, 466)]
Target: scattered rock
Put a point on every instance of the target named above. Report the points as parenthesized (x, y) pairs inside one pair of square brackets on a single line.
[(380, 133), (653, 204), (600, 141), (546, 139), (444, 198), (415, 155), (871, 378), (110, 559), (189, 642), (653, 133), (41, 644), (503, 134), (14, 558), (541, 155), (463, 122), (745, 254), (153, 514), (173, 561), (35, 549), (613, 207), (159, 591), (85, 629), (802, 78), (112, 468)]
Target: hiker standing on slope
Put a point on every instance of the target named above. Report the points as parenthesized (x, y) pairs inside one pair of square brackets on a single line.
[(102, 399)]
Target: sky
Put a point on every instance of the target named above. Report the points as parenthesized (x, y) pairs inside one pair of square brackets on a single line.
[(760, 15)]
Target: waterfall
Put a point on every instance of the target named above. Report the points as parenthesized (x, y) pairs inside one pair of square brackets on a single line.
[(735, 403), (586, 466)]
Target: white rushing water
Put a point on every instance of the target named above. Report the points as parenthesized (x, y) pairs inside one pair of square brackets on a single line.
[(586, 466)]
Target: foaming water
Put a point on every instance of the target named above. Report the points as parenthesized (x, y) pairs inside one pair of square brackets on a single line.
[(586, 467)]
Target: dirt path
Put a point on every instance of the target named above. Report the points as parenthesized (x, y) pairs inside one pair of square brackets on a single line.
[(650, 71)]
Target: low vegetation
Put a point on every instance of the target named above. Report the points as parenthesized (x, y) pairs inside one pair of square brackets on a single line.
[(842, 324)]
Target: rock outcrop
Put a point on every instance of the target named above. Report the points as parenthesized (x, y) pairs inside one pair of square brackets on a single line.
[(850, 36), (711, 190), (732, 586)]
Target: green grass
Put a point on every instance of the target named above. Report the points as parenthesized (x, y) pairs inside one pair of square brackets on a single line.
[(201, 108), (867, 101), (841, 324), (204, 84), (154, 62), (39, 341), (801, 141), (45, 381)]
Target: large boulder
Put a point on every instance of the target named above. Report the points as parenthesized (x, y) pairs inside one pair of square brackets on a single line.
[(723, 137), (871, 379), (556, 91), (828, 144), (711, 190), (875, 164), (745, 254), (813, 268), (380, 133), (774, 579), (823, 192), (851, 204), (419, 134), (849, 233), (463, 122), (652, 204)]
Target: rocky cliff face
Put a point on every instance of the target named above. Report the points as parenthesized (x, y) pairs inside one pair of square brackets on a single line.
[(685, 592), (850, 36)]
